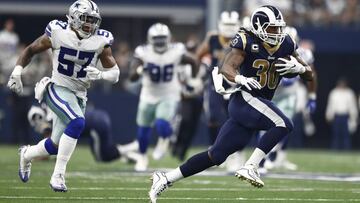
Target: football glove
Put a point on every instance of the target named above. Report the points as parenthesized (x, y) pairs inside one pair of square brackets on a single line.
[(311, 104), (290, 66), (40, 88), (93, 73), (249, 83), (15, 83), (218, 79)]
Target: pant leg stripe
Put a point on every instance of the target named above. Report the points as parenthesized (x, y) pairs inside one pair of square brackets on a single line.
[(264, 109), (64, 106)]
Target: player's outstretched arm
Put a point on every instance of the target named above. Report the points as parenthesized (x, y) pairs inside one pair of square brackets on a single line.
[(111, 72), (39, 45), (189, 59), (136, 69), (204, 48)]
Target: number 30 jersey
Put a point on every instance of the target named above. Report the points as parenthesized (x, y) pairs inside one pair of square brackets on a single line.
[(71, 55), (160, 77), (259, 61)]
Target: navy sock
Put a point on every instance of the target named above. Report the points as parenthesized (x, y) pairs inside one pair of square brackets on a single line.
[(143, 137), (197, 163), (271, 138)]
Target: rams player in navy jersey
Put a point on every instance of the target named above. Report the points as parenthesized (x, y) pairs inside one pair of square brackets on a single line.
[(249, 64)]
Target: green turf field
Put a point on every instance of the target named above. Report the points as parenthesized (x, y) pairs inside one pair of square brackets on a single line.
[(322, 177)]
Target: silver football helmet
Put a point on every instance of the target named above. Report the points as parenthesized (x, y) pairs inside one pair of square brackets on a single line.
[(159, 37), (84, 17), (229, 24), (264, 18)]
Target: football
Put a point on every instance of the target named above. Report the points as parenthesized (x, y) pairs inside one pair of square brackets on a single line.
[(289, 75)]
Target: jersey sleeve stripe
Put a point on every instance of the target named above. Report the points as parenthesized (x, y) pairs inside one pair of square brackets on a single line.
[(243, 38), (47, 32), (48, 27)]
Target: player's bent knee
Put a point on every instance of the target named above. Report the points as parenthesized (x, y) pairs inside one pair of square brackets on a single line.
[(217, 157), (75, 128), (50, 147), (163, 127)]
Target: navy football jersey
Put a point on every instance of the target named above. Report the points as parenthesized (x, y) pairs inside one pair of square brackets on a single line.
[(217, 49), (259, 61)]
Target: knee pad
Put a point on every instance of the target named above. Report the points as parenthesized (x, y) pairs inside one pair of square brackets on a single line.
[(50, 147), (163, 127), (75, 128), (217, 156)]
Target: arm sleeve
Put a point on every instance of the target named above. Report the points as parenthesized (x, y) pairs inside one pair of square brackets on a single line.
[(239, 41)]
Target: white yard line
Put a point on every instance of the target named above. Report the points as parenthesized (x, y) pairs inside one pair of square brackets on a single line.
[(199, 189), (182, 198)]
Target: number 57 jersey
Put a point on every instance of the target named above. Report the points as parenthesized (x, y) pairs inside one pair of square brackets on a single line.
[(160, 77), (71, 55)]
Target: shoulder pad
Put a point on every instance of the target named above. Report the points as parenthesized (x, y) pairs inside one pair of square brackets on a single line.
[(179, 46), (290, 43), (239, 41), (55, 25), (106, 36), (140, 51)]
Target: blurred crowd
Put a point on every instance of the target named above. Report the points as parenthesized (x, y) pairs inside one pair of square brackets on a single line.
[(313, 12)]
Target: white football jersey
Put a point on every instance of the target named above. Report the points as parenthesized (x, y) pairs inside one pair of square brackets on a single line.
[(160, 78), (71, 55)]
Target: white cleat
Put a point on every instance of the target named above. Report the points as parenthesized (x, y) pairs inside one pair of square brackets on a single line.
[(131, 147), (142, 163), (250, 174), (57, 183), (24, 165), (159, 185), (161, 148)]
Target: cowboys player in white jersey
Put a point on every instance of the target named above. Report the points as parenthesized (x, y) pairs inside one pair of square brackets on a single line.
[(158, 63), (77, 46)]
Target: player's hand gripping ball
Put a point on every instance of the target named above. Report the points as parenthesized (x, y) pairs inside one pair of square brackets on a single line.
[(284, 66)]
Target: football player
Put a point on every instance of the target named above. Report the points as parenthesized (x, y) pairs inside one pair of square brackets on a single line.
[(216, 44), (248, 64), (97, 129), (76, 45), (158, 63)]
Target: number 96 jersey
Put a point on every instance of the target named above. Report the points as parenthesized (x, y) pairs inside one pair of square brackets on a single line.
[(71, 55), (259, 61), (160, 75)]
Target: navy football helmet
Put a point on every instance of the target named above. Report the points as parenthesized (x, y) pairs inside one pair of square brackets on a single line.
[(266, 17)]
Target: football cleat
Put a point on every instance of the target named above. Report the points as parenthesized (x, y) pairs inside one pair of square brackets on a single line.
[(142, 163), (250, 174), (57, 183), (24, 165), (159, 185), (161, 148)]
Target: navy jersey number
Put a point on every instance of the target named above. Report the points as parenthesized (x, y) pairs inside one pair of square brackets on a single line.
[(160, 75), (267, 73), (66, 66)]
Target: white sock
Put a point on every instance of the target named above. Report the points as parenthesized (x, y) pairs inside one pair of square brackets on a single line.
[(174, 175), (67, 146), (256, 157), (35, 151)]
